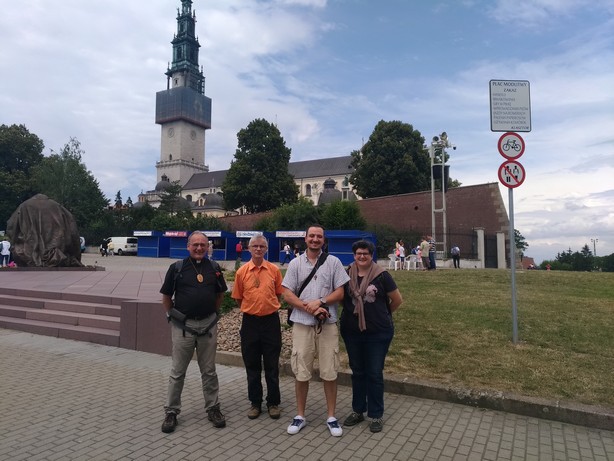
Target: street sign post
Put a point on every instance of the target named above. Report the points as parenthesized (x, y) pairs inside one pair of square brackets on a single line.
[(511, 145), (510, 105), (511, 174)]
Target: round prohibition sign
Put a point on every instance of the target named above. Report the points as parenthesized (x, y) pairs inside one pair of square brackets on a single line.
[(511, 145), (511, 174)]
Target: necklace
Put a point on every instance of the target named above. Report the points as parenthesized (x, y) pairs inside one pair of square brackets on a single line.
[(199, 275)]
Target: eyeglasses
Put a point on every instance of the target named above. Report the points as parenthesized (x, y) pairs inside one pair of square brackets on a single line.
[(258, 246), (362, 254), (196, 245)]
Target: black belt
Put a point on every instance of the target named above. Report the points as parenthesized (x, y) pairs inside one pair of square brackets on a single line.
[(198, 317), (260, 316)]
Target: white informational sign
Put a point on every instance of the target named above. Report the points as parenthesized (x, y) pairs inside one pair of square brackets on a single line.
[(511, 174), (510, 105), (511, 145), (247, 234)]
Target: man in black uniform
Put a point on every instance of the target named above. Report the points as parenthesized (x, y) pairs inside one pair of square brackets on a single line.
[(198, 288)]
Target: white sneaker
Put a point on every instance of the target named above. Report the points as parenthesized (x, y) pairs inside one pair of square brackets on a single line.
[(297, 424), (333, 427)]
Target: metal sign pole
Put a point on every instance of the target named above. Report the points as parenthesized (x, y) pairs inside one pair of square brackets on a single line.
[(512, 237)]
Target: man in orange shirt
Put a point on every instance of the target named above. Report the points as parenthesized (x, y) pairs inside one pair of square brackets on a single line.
[(257, 290)]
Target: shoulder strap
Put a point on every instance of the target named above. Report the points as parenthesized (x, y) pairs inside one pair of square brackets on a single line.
[(320, 261), (178, 265)]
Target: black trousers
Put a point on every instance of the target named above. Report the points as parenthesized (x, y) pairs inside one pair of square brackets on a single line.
[(261, 344)]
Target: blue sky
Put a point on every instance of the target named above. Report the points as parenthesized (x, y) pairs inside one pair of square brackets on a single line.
[(326, 72)]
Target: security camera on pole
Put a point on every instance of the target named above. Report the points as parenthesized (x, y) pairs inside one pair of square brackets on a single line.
[(439, 170), (510, 112)]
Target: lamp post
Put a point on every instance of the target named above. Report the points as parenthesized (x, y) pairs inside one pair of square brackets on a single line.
[(594, 246), (438, 146)]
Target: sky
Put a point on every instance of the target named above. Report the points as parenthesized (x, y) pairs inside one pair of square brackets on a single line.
[(326, 72)]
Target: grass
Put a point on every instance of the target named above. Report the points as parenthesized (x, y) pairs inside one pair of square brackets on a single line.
[(455, 327)]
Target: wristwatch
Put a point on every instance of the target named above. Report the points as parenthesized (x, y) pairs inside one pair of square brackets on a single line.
[(322, 302)]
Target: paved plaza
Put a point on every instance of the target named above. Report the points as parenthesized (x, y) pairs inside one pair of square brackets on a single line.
[(63, 399)]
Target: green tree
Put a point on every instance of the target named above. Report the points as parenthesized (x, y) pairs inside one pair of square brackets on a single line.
[(20, 150), (258, 177), (393, 161), (520, 242), (170, 198), (342, 215), (118, 199), (291, 217), (64, 178)]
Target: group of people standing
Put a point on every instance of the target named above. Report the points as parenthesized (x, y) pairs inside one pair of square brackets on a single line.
[(315, 285)]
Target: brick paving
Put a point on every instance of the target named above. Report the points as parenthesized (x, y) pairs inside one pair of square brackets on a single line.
[(64, 400)]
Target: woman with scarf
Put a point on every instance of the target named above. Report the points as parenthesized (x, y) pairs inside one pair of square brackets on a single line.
[(371, 296)]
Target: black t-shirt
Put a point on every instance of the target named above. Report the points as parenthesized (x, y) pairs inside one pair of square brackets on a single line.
[(377, 315), (192, 297)]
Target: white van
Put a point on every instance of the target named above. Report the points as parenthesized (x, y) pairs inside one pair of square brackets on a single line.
[(122, 245)]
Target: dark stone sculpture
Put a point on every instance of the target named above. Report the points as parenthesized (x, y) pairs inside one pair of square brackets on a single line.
[(44, 234)]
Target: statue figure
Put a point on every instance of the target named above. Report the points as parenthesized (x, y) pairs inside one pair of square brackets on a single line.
[(44, 234)]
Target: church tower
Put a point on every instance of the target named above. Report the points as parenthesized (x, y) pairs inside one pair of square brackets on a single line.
[(182, 110)]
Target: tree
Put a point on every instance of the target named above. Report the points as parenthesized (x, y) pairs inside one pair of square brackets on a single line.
[(118, 199), (393, 161), (170, 198), (20, 150), (342, 215), (520, 242), (258, 177), (64, 178), (293, 216)]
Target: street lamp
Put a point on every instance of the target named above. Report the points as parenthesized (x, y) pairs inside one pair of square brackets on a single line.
[(594, 246), (438, 146)]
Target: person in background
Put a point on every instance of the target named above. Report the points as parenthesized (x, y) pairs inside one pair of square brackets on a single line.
[(287, 257), (367, 330), (257, 291), (455, 252), (315, 332), (432, 253), (424, 253), (5, 252)]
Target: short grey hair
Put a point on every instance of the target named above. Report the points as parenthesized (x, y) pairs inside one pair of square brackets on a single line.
[(258, 237)]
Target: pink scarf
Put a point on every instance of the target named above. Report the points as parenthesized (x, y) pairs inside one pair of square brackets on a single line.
[(357, 292)]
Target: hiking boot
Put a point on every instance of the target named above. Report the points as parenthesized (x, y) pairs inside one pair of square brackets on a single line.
[(170, 423), (216, 417), (353, 419), (297, 424), (334, 428), (254, 412), (377, 424), (274, 412)]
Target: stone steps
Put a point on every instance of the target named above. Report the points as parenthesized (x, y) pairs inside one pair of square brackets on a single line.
[(81, 317)]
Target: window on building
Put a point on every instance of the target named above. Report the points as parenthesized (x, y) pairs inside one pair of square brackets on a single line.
[(308, 190)]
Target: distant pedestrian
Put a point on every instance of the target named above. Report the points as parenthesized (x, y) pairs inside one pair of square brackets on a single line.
[(239, 251), (287, 255), (210, 250), (424, 253), (455, 252), (5, 252), (432, 253)]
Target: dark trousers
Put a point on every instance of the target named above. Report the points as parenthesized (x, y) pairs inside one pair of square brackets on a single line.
[(367, 354), (432, 265), (261, 343), (456, 259)]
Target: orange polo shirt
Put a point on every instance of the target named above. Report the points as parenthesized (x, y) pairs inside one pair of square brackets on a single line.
[(258, 288)]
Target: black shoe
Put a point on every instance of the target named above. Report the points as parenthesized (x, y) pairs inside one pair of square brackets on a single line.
[(377, 424), (353, 419), (170, 423), (216, 417)]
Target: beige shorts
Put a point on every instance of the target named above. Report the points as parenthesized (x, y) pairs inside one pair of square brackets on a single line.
[(307, 346)]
